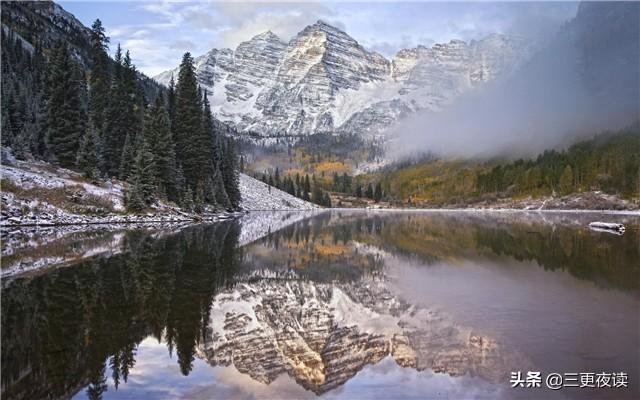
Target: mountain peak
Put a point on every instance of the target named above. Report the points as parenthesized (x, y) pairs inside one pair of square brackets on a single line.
[(324, 26), (268, 36)]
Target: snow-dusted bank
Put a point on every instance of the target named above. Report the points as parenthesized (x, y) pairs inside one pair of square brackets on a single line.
[(41, 194)]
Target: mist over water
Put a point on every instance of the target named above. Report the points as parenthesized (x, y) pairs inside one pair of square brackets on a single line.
[(583, 80)]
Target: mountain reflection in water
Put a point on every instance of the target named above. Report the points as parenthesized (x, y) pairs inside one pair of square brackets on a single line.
[(300, 309)]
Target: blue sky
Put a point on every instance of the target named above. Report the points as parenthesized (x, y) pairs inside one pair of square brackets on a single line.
[(158, 33)]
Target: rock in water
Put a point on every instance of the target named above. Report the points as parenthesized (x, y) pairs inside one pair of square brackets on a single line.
[(607, 226)]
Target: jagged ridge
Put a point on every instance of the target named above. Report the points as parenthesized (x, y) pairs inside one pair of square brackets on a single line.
[(324, 81)]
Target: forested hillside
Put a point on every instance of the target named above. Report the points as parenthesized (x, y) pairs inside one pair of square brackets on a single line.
[(64, 100), (609, 162)]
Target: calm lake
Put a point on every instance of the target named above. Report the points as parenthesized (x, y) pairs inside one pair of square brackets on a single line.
[(340, 304)]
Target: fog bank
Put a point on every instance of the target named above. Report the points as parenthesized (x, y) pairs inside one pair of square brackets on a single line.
[(585, 80)]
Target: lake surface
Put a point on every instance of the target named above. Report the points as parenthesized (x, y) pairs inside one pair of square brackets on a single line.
[(342, 304)]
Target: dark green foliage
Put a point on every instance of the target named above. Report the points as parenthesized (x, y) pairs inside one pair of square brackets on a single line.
[(88, 158), (99, 78), (108, 128), (142, 178), (73, 324), (187, 200), (609, 162), (327, 200), (188, 123), (171, 104), (22, 104), (377, 193), (342, 183), (66, 111), (317, 196), (123, 115), (127, 158), (320, 197), (369, 192), (157, 132), (221, 197), (306, 188)]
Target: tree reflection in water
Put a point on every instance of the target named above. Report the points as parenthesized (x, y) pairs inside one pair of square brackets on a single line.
[(60, 329)]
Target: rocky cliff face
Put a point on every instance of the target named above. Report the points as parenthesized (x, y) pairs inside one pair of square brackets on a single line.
[(322, 334), (324, 81), (45, 23)]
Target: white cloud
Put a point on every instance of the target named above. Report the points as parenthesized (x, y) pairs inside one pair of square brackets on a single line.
[(167, 29)]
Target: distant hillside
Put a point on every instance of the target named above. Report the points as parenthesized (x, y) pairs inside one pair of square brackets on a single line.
[(608, 163)]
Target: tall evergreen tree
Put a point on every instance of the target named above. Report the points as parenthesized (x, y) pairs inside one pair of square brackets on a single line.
[(66, 114), (124, 114), (306, 188), (143, 188), (188, 122), (157, 132), (358, 191), (205, 147), (377, 194), (566, 180), (369, 192), (99, 79), (115, 132), (127, 158), (88, 158)]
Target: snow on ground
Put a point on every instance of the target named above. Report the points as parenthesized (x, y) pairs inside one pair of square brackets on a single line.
[(258, 196), (42, 175), (39, 193)]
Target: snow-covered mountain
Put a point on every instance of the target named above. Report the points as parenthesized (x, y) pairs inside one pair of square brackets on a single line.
[(324, 81)]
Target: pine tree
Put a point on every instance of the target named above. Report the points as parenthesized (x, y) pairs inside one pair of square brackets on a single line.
[(66, 116), (187, 200), (188, 122), (205, 142), (88, 158), (317, 196), (127, 158), (198, 202), (157, 132), (142, 178), (358, 191), (171, 104), (377, 194), (566, 180), (306, 188), (327, 200), (124, 114), (100, 79), (369, 192), (219, 192), (276, 179), (115, 131)]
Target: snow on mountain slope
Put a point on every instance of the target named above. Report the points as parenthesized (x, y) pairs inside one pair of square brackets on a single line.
[(258, 196), (324, 81)]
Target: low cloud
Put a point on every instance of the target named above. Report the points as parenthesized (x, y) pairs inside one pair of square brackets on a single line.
[(572, 87)]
